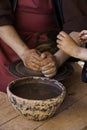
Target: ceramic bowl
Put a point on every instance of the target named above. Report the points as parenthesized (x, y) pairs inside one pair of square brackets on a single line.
[(36, 98)]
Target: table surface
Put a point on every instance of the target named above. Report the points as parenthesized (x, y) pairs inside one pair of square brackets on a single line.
[(72, 114)]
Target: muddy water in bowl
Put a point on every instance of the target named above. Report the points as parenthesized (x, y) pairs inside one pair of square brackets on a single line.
[(36, 98), (37, 91)]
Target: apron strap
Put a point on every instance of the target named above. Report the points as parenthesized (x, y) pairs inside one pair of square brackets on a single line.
[(57, 6), (13, 3)]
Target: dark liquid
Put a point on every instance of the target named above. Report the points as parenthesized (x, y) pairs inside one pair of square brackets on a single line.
[(36, 91)]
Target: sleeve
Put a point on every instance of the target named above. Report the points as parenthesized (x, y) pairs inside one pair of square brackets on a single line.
[(75, 15), (6, 13)]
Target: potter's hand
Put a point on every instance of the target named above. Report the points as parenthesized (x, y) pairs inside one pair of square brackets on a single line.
[(31, 59), (48, 64)]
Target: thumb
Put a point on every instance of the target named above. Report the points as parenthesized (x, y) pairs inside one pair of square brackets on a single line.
[(43, 55)]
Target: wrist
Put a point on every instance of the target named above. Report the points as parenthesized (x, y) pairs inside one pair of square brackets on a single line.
[(23, 51), (76, 53), (61, 57)]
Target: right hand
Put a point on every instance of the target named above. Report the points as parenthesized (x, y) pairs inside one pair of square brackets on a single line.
[(48, 64), (31, 59)]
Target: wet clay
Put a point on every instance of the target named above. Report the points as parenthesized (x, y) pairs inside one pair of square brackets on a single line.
[(34, 91)]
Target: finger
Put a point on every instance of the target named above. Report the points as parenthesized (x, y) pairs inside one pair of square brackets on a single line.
[(63, 34), (59, 46), (48, 66), (83, 32), (59, 41), (50, 71), (36, 56), (50, 75), (60, 36), (45, 55), (47, 61), (34, 67), (84, 37), (35, 61), (60, 33)]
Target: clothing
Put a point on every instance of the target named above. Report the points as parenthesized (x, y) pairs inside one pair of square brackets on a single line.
[(40, 18), (75, 19), (74, 12)]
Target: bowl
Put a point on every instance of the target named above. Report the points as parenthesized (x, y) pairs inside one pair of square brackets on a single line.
[(36, 98)]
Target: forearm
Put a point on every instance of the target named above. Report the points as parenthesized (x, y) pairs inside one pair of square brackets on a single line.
[(9, 35), (81, 53), (61, 57)]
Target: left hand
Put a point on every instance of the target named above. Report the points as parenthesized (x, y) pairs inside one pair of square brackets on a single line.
[(31, 59), (48, 64), (66, 43)]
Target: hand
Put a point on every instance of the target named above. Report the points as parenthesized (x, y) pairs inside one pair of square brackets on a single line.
[(48, 64), (31, 59), (67, 44), (83, 36)]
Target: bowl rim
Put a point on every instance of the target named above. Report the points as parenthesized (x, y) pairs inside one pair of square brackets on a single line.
[(58, 83)]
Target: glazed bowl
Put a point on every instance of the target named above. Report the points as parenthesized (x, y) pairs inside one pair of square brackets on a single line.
[(36, 98)]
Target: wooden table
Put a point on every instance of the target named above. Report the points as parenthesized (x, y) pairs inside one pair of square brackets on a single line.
[(72, 115)]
